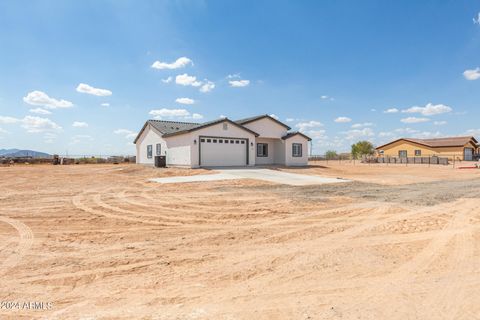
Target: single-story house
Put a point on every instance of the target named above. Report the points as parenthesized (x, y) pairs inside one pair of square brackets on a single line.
[(459, 148), (259, 140)]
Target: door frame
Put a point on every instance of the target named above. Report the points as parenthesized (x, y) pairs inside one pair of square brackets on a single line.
[(218, 137), (465, 149)]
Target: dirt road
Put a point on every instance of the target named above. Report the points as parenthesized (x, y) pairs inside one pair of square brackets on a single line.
[(100, 242)]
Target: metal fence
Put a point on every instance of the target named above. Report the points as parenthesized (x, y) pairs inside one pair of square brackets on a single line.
[(452, 160)]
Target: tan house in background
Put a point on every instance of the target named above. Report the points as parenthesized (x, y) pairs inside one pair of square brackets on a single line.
[(458, 148)]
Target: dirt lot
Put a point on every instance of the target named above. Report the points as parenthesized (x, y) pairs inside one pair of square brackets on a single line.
[(100, 242)]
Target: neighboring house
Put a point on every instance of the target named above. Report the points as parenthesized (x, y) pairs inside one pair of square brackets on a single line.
[(459, 148), (260, 140)]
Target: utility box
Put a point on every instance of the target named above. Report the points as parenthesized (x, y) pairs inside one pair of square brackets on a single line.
[(160, 161)]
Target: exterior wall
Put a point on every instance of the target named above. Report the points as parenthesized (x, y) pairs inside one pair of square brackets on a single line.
[(179, 150), (296, 161), (149, 136), (392, 150), (267, 128), (217, 130), (270, 159)]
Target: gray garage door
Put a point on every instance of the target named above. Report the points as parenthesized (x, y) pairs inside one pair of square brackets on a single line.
[(223, 152)]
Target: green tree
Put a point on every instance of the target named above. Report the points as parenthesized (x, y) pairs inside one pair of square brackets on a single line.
[(362, 148), (331, 154)]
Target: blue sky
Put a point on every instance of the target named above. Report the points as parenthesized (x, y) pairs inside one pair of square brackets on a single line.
[(83, 76)]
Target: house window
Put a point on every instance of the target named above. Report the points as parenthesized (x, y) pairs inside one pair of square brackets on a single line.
[(231, 141), (418, 153), (214, 141), (296, 149), (243, 141), (402, 153), (237, 141), (262, 150), (226, 141), (202, 140), (209, 140), (220, 141), (149, 151), (158, 149), (225, 126)]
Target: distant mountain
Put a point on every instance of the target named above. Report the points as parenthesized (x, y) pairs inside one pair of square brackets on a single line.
[(22, 153), (7, 151)]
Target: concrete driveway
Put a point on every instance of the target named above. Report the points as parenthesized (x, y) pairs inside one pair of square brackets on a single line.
[(269, 175)]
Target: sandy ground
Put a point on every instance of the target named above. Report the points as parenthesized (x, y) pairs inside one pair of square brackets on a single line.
[(100, 242)]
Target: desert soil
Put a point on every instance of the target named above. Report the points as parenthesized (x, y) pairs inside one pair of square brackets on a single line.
[(101, 242)]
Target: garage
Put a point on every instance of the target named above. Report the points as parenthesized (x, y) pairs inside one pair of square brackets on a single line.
[(223, 151)]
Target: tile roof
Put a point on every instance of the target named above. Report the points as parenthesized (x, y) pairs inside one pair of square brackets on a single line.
[(167, 127)]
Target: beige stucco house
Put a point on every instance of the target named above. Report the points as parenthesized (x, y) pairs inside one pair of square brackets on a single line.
[(259, 140)]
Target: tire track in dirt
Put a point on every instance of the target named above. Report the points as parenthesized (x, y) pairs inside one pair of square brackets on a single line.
[(25, 242)]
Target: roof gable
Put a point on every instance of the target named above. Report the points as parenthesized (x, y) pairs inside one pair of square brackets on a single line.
[(294, 133), (255, 118)]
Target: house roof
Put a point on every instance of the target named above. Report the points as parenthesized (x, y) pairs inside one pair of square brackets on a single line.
[(294, 133), (167, 127), (210, 123), (255, 118), (438, 142)]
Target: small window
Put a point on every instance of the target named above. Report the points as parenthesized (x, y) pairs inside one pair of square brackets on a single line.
[(402, 153), (214, 141), (231, 141), (262, 150), (226, 141), (296, 149), (243, 141), (202, 140), (418, 153), (149, 151), (237, 142), (220, 141), (225, 126), (209, 140), (158, 149)]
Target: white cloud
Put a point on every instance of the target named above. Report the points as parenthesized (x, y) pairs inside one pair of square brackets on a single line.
[(39, 98), (361, 125), (3, 130), (325, 97), (8, 120), (39, 111), (128, 134), (169, 113), (439, 123), (207, 86), (79, 124), (427, 134), (85, 88), (49, 137), (233, 76), (385, 134), (303, 126), (36, 124), (105, 104), (472, 74), (429, 109), (406, 130), (473, 132), (179, 63), (274, 116), (357, 133), (197, 116), (186, 80), (477, 20), (342, 119), (373, 110), (414, 120), (185, 101), (167, 80), (239, 83), (391, 110), (289, 119)]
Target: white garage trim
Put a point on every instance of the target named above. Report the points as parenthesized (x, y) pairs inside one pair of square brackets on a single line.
[(247, 142)]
